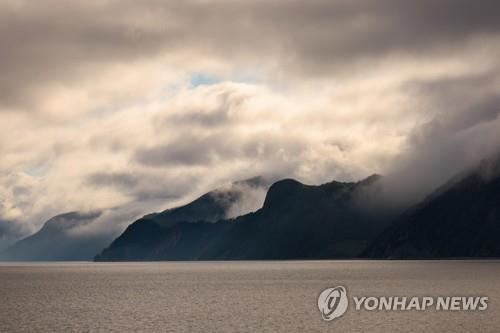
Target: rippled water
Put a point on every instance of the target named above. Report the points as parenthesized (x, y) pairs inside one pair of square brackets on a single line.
[(237, 296)]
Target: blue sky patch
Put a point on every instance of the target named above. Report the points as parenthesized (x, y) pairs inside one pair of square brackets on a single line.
[(203, 79)]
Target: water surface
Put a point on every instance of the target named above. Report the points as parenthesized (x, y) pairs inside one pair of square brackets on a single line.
[(237, 296)]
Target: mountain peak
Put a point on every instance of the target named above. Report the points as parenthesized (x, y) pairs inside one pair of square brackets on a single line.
[(281, 190), (70, 220), (54, 242), (370, 179), (256, 181)]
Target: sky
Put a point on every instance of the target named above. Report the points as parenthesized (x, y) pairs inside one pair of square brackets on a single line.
[(135, 106)]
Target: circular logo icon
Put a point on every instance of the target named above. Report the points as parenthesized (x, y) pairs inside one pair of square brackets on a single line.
[(332, 303)]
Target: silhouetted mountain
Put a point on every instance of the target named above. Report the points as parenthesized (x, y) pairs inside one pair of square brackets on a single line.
[(211, 207), (214, 205), (296, 221), (461, 219), (59, 239), (10, 231)]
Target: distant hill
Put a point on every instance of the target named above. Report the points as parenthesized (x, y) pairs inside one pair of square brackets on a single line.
[(57, 240), (10, 231), (291, 220), (459, 220), (217, 204), (60, 240), (296, 221)]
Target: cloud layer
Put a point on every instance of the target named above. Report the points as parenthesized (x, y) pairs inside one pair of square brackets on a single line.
[(136, 106)]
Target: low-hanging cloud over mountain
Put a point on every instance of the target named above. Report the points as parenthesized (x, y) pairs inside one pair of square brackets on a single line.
[(108, 104)]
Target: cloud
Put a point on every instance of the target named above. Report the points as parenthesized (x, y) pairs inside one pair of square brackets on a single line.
[(131, 107), (251, 199), (121, 180), (187, 151), (141, 186), (463, 130), (50, 46)]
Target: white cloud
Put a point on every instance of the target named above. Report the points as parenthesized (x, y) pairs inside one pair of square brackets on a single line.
[(100, 111)]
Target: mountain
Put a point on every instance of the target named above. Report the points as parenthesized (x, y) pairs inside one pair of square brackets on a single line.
[(10, 231), (217, 204), (224, 202), (459, 220), (59, 239), (296, 221)]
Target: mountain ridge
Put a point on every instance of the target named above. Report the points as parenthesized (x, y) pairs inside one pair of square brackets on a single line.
[(56, 242), (460, 219), (292, 212)]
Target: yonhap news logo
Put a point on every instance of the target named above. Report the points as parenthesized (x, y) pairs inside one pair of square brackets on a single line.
[(333, 303)]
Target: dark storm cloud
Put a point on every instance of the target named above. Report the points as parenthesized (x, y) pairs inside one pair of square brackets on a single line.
[(121, 180), (55, 42), (50, 42), (189, 150), (195, 150)]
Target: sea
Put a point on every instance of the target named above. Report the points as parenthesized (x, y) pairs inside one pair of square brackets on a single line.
[(245, 296)]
